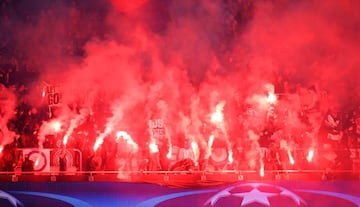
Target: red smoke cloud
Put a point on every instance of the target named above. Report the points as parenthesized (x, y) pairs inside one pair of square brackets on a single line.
[(197, 55), (7, 106), (126, 6)]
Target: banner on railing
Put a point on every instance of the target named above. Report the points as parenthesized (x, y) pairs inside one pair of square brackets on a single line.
[(48, 160), (39, 157)]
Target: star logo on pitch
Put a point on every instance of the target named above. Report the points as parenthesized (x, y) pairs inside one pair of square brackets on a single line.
[(254, 194)]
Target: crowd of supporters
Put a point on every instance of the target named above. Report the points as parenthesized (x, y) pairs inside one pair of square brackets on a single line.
[(336, 141)]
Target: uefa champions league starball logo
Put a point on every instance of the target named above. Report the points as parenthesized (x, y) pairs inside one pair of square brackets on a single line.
[(259, 193), (243, 194), (11, 199), (240, 195), (45, 199), (254, 195)]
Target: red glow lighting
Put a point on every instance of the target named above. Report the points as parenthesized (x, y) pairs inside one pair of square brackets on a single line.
[(127, 6)]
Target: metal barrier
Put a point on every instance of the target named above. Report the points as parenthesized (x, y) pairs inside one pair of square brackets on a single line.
[(183, 177)]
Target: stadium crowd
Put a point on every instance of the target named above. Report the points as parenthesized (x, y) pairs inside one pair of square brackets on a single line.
[(336, 143)]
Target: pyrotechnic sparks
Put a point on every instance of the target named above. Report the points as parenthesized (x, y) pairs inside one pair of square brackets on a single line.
[(157, 126), (271, 98), (128, 139), (195, 149), (262, 170), (310, 155), (97, 144), (291, 158), (37, 162), (101, 137), (230, 157), (56, 126), (209, 146), (153, 147), (169, 154), (74, 123), (218, 117), (65, 139)]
